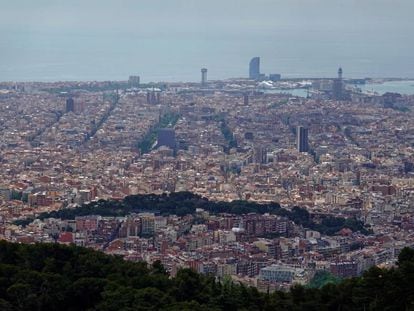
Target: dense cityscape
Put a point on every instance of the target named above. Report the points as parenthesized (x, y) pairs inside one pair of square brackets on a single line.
[(339, 154)]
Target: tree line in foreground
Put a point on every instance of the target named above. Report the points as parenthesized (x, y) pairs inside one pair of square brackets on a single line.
[(56, 277)]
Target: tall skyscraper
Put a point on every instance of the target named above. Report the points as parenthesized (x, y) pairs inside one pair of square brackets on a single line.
[(260, 155), (203, 76), (338, 87), (302, 139), (70, 105), (254, 68), (246, 99)]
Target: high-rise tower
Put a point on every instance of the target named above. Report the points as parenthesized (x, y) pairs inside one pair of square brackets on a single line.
[(254, 68), (246, 99), (302, 139), (70, 105), (203, 76), (338, 87)]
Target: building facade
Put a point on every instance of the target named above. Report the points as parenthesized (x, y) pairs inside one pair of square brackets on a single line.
[(254, 68), (302, 139)]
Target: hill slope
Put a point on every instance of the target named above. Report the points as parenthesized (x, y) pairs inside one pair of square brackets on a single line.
[(184, 203), (55, 277)]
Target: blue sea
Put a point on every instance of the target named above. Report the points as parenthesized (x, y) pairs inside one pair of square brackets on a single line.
[(32, 56), (402, 87)]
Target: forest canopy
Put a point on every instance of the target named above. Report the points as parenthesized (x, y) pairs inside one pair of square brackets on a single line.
[(56, 277), (185, 203)]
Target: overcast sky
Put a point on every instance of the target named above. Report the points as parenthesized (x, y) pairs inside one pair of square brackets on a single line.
[(204, 17)]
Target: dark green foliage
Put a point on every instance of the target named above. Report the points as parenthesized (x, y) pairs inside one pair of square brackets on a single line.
[(185, 203), (228, 135), (300, 216), (406, 255), (23, 222), (322, 278), (55, 277), (331, 225)]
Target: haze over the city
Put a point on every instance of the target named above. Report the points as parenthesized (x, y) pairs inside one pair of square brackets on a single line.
[(171, 40), (206, 155)]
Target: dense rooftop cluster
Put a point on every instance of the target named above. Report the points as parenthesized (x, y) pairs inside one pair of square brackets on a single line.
[(227, 141)]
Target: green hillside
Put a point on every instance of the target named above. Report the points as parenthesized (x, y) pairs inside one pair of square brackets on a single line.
[(184, 203), (55, 277)]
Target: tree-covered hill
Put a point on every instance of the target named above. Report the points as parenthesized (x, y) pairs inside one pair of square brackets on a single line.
[(54, 277), (184, 203)]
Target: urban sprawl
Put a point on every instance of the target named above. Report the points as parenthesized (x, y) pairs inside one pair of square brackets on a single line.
[(335, 152)]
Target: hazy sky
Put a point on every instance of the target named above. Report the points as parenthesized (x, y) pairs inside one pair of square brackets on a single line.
[(200, 31), (200, 17)]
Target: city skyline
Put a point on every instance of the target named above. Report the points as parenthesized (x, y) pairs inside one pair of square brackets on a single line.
[(59, 40), (222, 152)]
